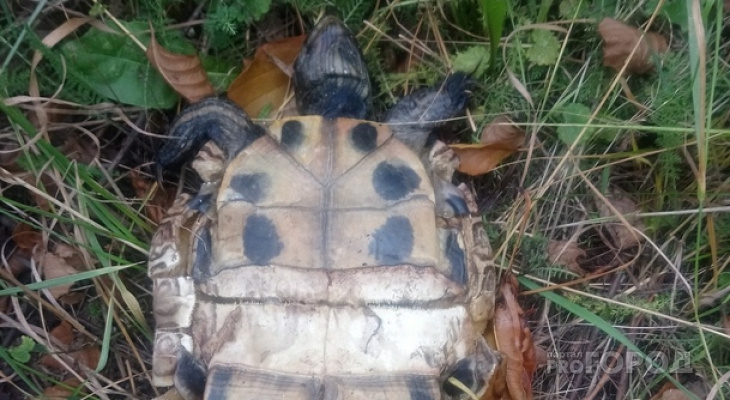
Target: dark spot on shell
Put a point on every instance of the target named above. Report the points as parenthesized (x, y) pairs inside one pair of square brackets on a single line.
[(457, 259), (203, 254), (364, 137), (260, 241), (394, 182), (252, 187), (190, 374), (292, 134), (220, 383), (392, 243), (420, 388), (464, 372)]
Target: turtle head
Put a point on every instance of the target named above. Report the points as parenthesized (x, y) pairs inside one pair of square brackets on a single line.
[(330, 75)]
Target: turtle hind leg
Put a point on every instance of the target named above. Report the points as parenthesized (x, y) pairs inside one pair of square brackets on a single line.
[(330, 75), (214, 119), (189, 377), (415, 116)]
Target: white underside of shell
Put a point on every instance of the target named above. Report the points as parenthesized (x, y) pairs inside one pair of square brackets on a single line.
[(325, 341)]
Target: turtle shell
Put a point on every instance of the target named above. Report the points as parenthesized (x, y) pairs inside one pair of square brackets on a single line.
[(320, 265)]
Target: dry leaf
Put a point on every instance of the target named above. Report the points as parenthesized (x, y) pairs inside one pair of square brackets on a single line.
[(53, 266), (619, 41), (61, 391), (566, 254), (499, 139), (26, 237), (623, 236), (497, 387), (514, 341), (63, 333), (63, 261), (88, 356), (183, 72), (264, 81), (669, 392), (161, 200)]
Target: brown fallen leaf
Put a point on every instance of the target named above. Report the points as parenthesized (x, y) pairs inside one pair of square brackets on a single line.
[(87, 356), (623, 236), (264, 81), (53, 266), (514, 341), (183, 72), (62, 391), (499, 139), (63, 332), (566, 254), (26, 237), (497, 387), (161, 200), (619, 41), (669, 392), (63, 261)]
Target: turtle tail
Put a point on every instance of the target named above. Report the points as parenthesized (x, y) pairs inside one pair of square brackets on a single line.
[(216, 119), (415, 116)]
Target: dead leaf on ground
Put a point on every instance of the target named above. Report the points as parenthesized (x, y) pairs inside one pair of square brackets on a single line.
[(64, 333), (63, 261), (566, 254), (499, 139), (157, 205), (623, 237), (514, 341), (26, 237), (62, 391), (87, 356), (183, 72), (695, 384), (265, 80), (619, 41)]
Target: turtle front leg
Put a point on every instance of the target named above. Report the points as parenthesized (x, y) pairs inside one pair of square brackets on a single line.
[(415, 116), (216, 119)]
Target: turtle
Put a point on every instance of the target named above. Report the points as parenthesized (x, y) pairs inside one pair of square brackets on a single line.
[(326, 255)]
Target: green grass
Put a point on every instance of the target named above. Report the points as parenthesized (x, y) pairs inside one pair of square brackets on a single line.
[(662, 139)]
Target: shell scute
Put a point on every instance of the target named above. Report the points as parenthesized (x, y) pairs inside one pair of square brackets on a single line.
[(250, 236), (265, 175), (390, 175)]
